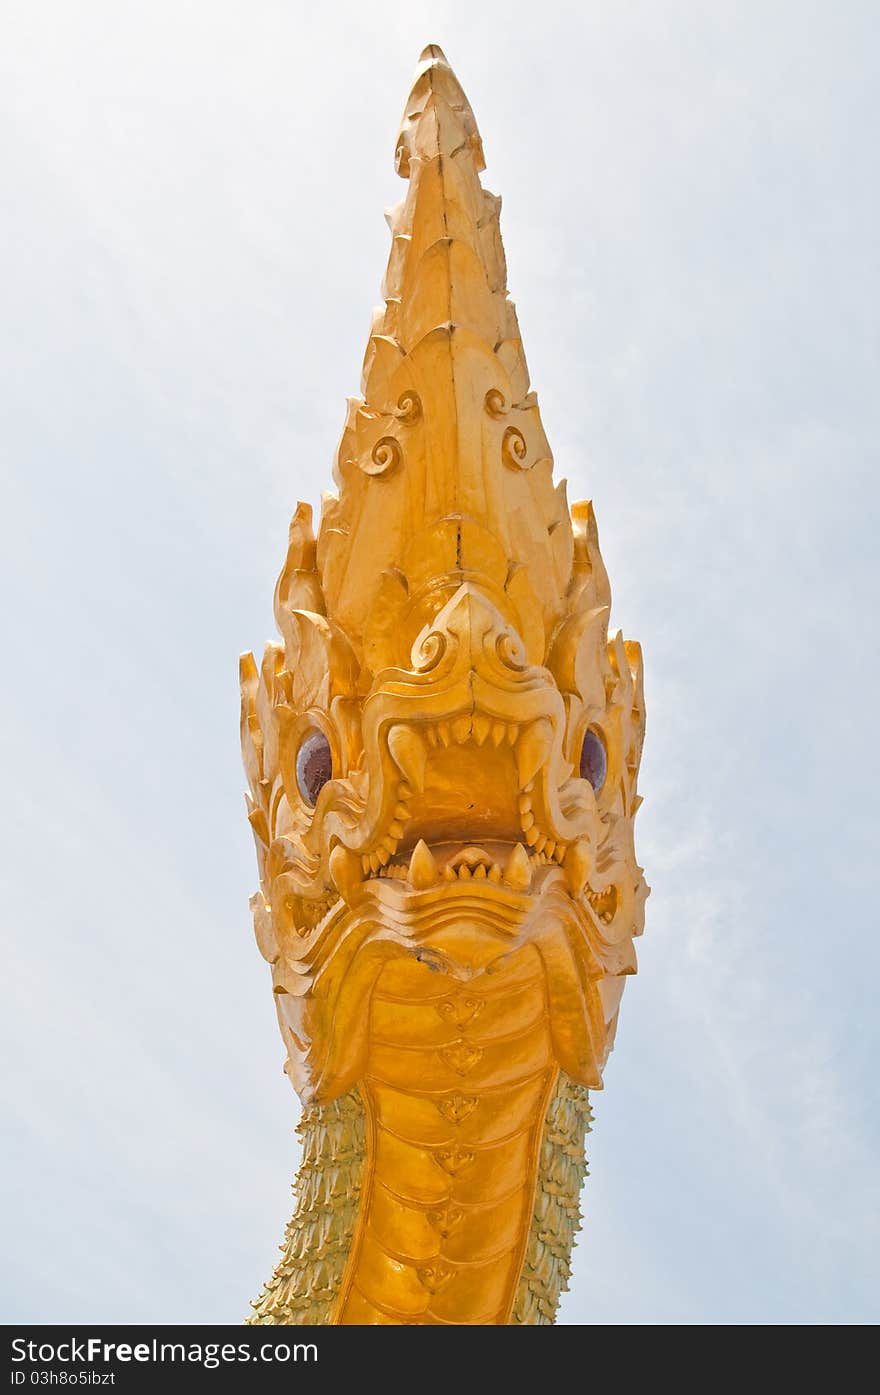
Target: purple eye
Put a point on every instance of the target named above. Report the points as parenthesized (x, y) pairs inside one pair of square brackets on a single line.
[(314, 766), (594, 761)]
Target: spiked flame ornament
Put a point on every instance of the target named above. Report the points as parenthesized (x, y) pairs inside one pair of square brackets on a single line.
[(442, 758)]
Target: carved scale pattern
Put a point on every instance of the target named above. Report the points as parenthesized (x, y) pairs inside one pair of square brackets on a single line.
[(556, 1219), (307, 1280), (317, 1242)]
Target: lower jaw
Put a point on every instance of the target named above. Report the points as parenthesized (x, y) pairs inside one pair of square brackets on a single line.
[(498, 863)]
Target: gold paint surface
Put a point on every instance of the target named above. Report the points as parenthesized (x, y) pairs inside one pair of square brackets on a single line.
[(456, 1122), (448, 894)]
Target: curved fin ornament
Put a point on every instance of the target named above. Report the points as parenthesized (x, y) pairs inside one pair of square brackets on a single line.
[(442, 758)]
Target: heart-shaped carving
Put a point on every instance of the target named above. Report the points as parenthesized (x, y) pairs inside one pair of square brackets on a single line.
[(459, 1011), (462, 1056), (455, 1108), (433, 1277), (446, 1220), (453, 1160)]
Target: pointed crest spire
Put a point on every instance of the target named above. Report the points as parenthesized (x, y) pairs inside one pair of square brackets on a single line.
[(434, 80), (444, 471)]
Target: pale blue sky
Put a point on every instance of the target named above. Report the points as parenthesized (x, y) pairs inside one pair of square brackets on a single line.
[(191, 243)]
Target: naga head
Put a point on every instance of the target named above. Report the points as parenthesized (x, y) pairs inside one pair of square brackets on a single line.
[(442, 752)]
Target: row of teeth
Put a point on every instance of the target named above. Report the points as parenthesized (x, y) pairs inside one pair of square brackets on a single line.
[(604, 904), (490, 872), (538, 841), (423, 870), (374, 863), (471, 726), (474, 864), (601, 902)]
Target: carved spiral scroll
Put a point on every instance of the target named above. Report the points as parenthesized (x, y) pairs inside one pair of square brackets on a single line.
[(427, 653), (409, 407), (511, 650), (514, 449), (496, 403), (385, 456)]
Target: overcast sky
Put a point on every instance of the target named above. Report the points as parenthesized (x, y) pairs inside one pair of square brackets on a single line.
[(191, 243)]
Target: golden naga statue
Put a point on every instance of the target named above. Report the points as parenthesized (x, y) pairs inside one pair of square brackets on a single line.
[(442, 758)]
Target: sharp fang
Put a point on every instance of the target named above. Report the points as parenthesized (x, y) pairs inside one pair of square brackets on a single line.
[(532, 834), (461, 729), (512, 732), (448, 873), (464, 872), (409, 754), (517, 872), (444, 733), (395, 829), (577, 866), (345, 869), (527, 820), (480, 725), (525, 803), (494, 873), (401, 812), (422, 866), (532, 749), (480, 871), (375, 862), (499, 731)]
